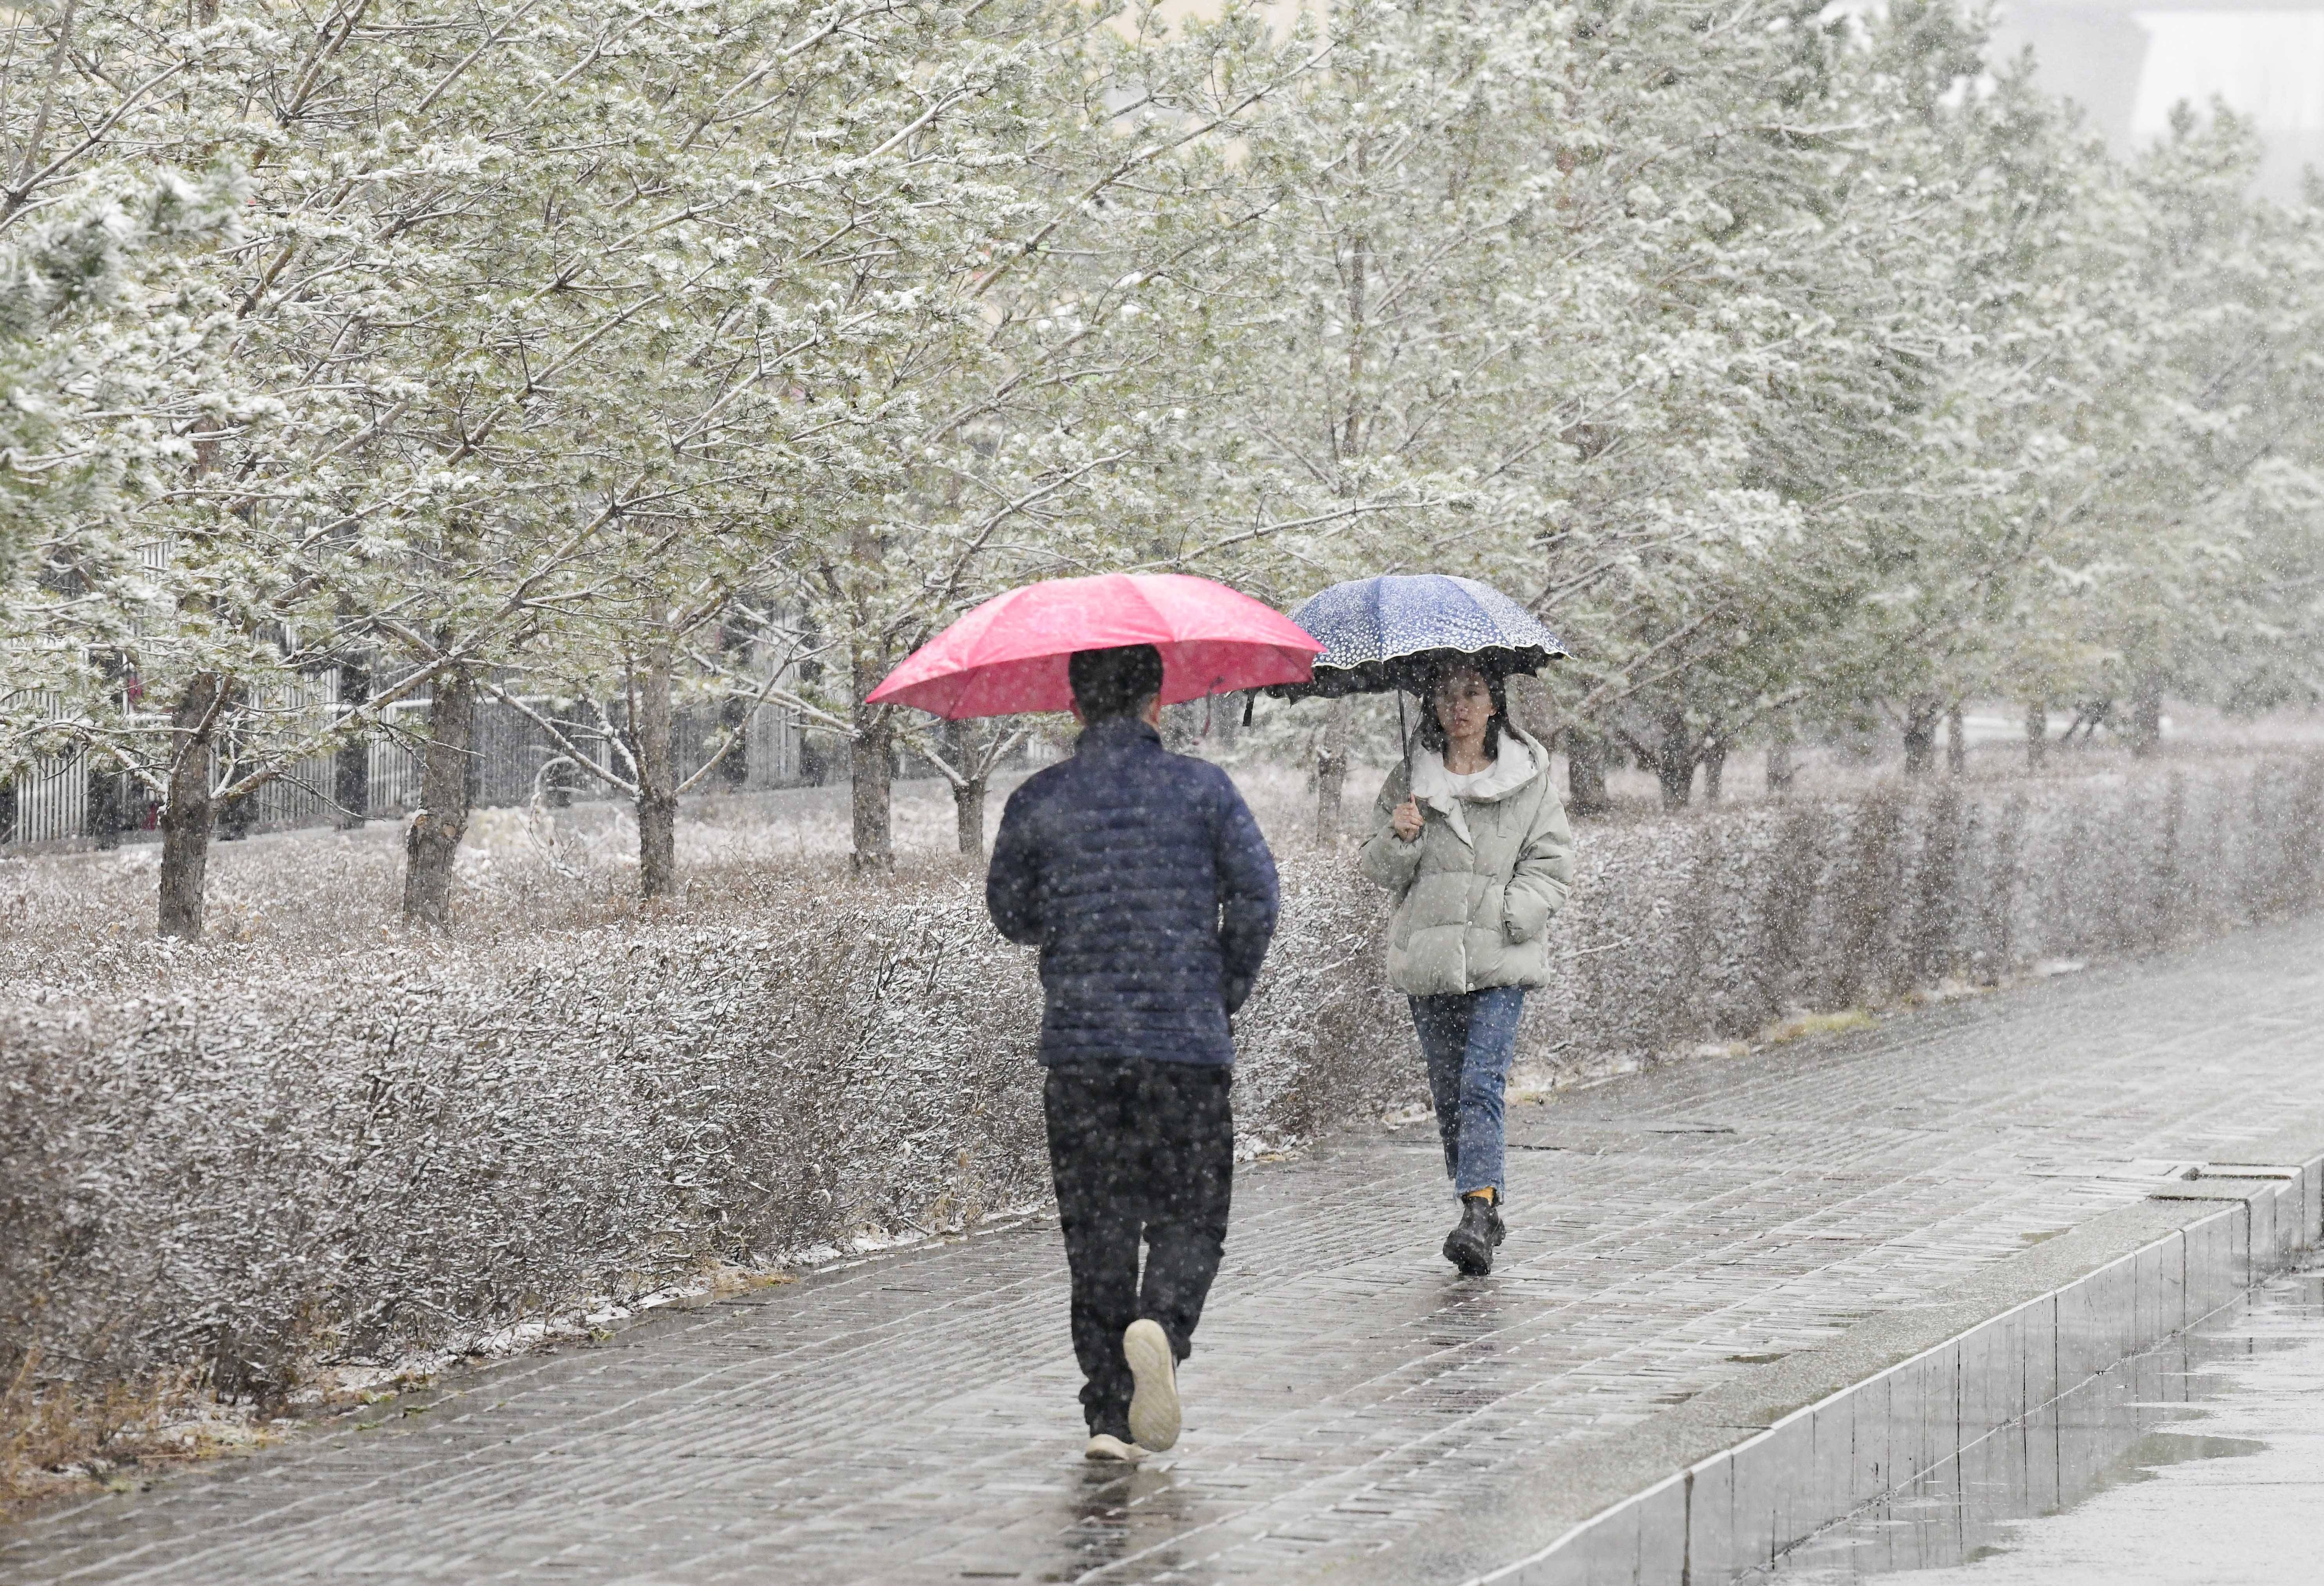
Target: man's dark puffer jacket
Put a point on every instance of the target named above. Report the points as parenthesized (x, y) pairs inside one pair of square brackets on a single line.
[(1142, 878)]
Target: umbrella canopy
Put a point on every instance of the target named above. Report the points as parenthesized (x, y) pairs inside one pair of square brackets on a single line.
[(1009, 655), (1390, 631)]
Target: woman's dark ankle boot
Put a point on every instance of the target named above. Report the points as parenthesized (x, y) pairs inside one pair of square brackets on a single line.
[(1470, 1245)]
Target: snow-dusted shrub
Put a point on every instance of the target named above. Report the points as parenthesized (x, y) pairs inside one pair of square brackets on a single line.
[(1708, 929), (251, 1158), (364, 1155), (390, 1157)]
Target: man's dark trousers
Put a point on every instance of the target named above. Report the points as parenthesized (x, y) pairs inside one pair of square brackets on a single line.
[(1141, 1149), (1143, 881)]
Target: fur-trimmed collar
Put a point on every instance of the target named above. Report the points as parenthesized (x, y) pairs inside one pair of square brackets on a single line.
[(1432, 784)]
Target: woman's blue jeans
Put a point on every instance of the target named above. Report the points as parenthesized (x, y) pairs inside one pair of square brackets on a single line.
[(1468, 1041)]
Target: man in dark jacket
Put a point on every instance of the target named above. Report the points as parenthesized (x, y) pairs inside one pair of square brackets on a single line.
[(1145, 882)]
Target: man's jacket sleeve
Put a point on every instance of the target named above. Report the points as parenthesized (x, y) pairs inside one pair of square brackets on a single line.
[(1247, 899), (1012, 881)]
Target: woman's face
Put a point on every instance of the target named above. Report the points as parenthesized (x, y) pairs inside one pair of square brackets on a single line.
[(1463, 706)]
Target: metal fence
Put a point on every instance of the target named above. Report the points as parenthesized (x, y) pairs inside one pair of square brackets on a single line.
[(61, 799)]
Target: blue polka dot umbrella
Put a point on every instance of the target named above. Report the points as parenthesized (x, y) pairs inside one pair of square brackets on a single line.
[(1394, 631)]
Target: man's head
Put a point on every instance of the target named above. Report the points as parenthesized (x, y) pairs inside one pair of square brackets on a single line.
[(1123, 682)]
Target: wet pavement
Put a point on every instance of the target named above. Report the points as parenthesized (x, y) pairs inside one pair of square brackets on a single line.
[(912, 1418), (2200, 1461)]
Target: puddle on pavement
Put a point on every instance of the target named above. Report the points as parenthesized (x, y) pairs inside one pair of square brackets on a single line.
[(1118, 1514), (2200, 1460)]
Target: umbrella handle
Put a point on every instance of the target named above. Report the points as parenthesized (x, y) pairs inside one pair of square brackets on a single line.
[(1404, 740)]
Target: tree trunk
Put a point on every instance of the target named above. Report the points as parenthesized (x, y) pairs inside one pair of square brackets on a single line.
[(443, 817), (968, 815), (1714, 767), (1781, 771), (871, 771), (1531, 710), (1585, 772), (2037, 735), (1920, 751), (657, 844), (1956, 740), (1675, 759), (735, 724), (968, 795), (109, 789), (1782, 768), (351, 767), (185, 813), (1921, 718), (655, 737), (2146, 716), (1332, 769), (108, 815), (872, 741)]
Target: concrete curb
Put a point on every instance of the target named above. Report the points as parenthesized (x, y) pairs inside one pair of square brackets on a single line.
[(1724, 1482)]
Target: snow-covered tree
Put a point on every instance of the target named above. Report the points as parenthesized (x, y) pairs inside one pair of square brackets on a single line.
[(1622, 306), (1790, 365), (1029, 415)]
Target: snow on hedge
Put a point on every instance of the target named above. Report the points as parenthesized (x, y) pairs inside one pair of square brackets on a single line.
[(252, 1163)]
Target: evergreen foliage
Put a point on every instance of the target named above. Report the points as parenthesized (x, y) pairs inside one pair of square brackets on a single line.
[(1796, 365)]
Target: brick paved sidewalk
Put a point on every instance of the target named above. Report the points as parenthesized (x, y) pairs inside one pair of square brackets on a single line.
[(912, 1418)]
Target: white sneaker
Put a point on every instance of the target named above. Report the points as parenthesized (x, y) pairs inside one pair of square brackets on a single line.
[(1105, 1445), (1154, 1400)]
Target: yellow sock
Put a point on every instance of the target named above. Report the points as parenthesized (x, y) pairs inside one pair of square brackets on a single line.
[(1486, 1195)]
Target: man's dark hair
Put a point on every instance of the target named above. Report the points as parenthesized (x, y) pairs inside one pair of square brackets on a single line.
[(1114, 682)]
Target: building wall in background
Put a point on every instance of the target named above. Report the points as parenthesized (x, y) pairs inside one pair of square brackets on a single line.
[(2127, 64)]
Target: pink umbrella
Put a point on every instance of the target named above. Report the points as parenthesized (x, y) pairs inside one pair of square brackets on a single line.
[(1009, 654)]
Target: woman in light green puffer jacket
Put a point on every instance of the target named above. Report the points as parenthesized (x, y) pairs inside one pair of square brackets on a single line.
[(1473, 840)]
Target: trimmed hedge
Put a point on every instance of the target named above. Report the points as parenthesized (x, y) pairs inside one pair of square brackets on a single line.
[(258, 1162)]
